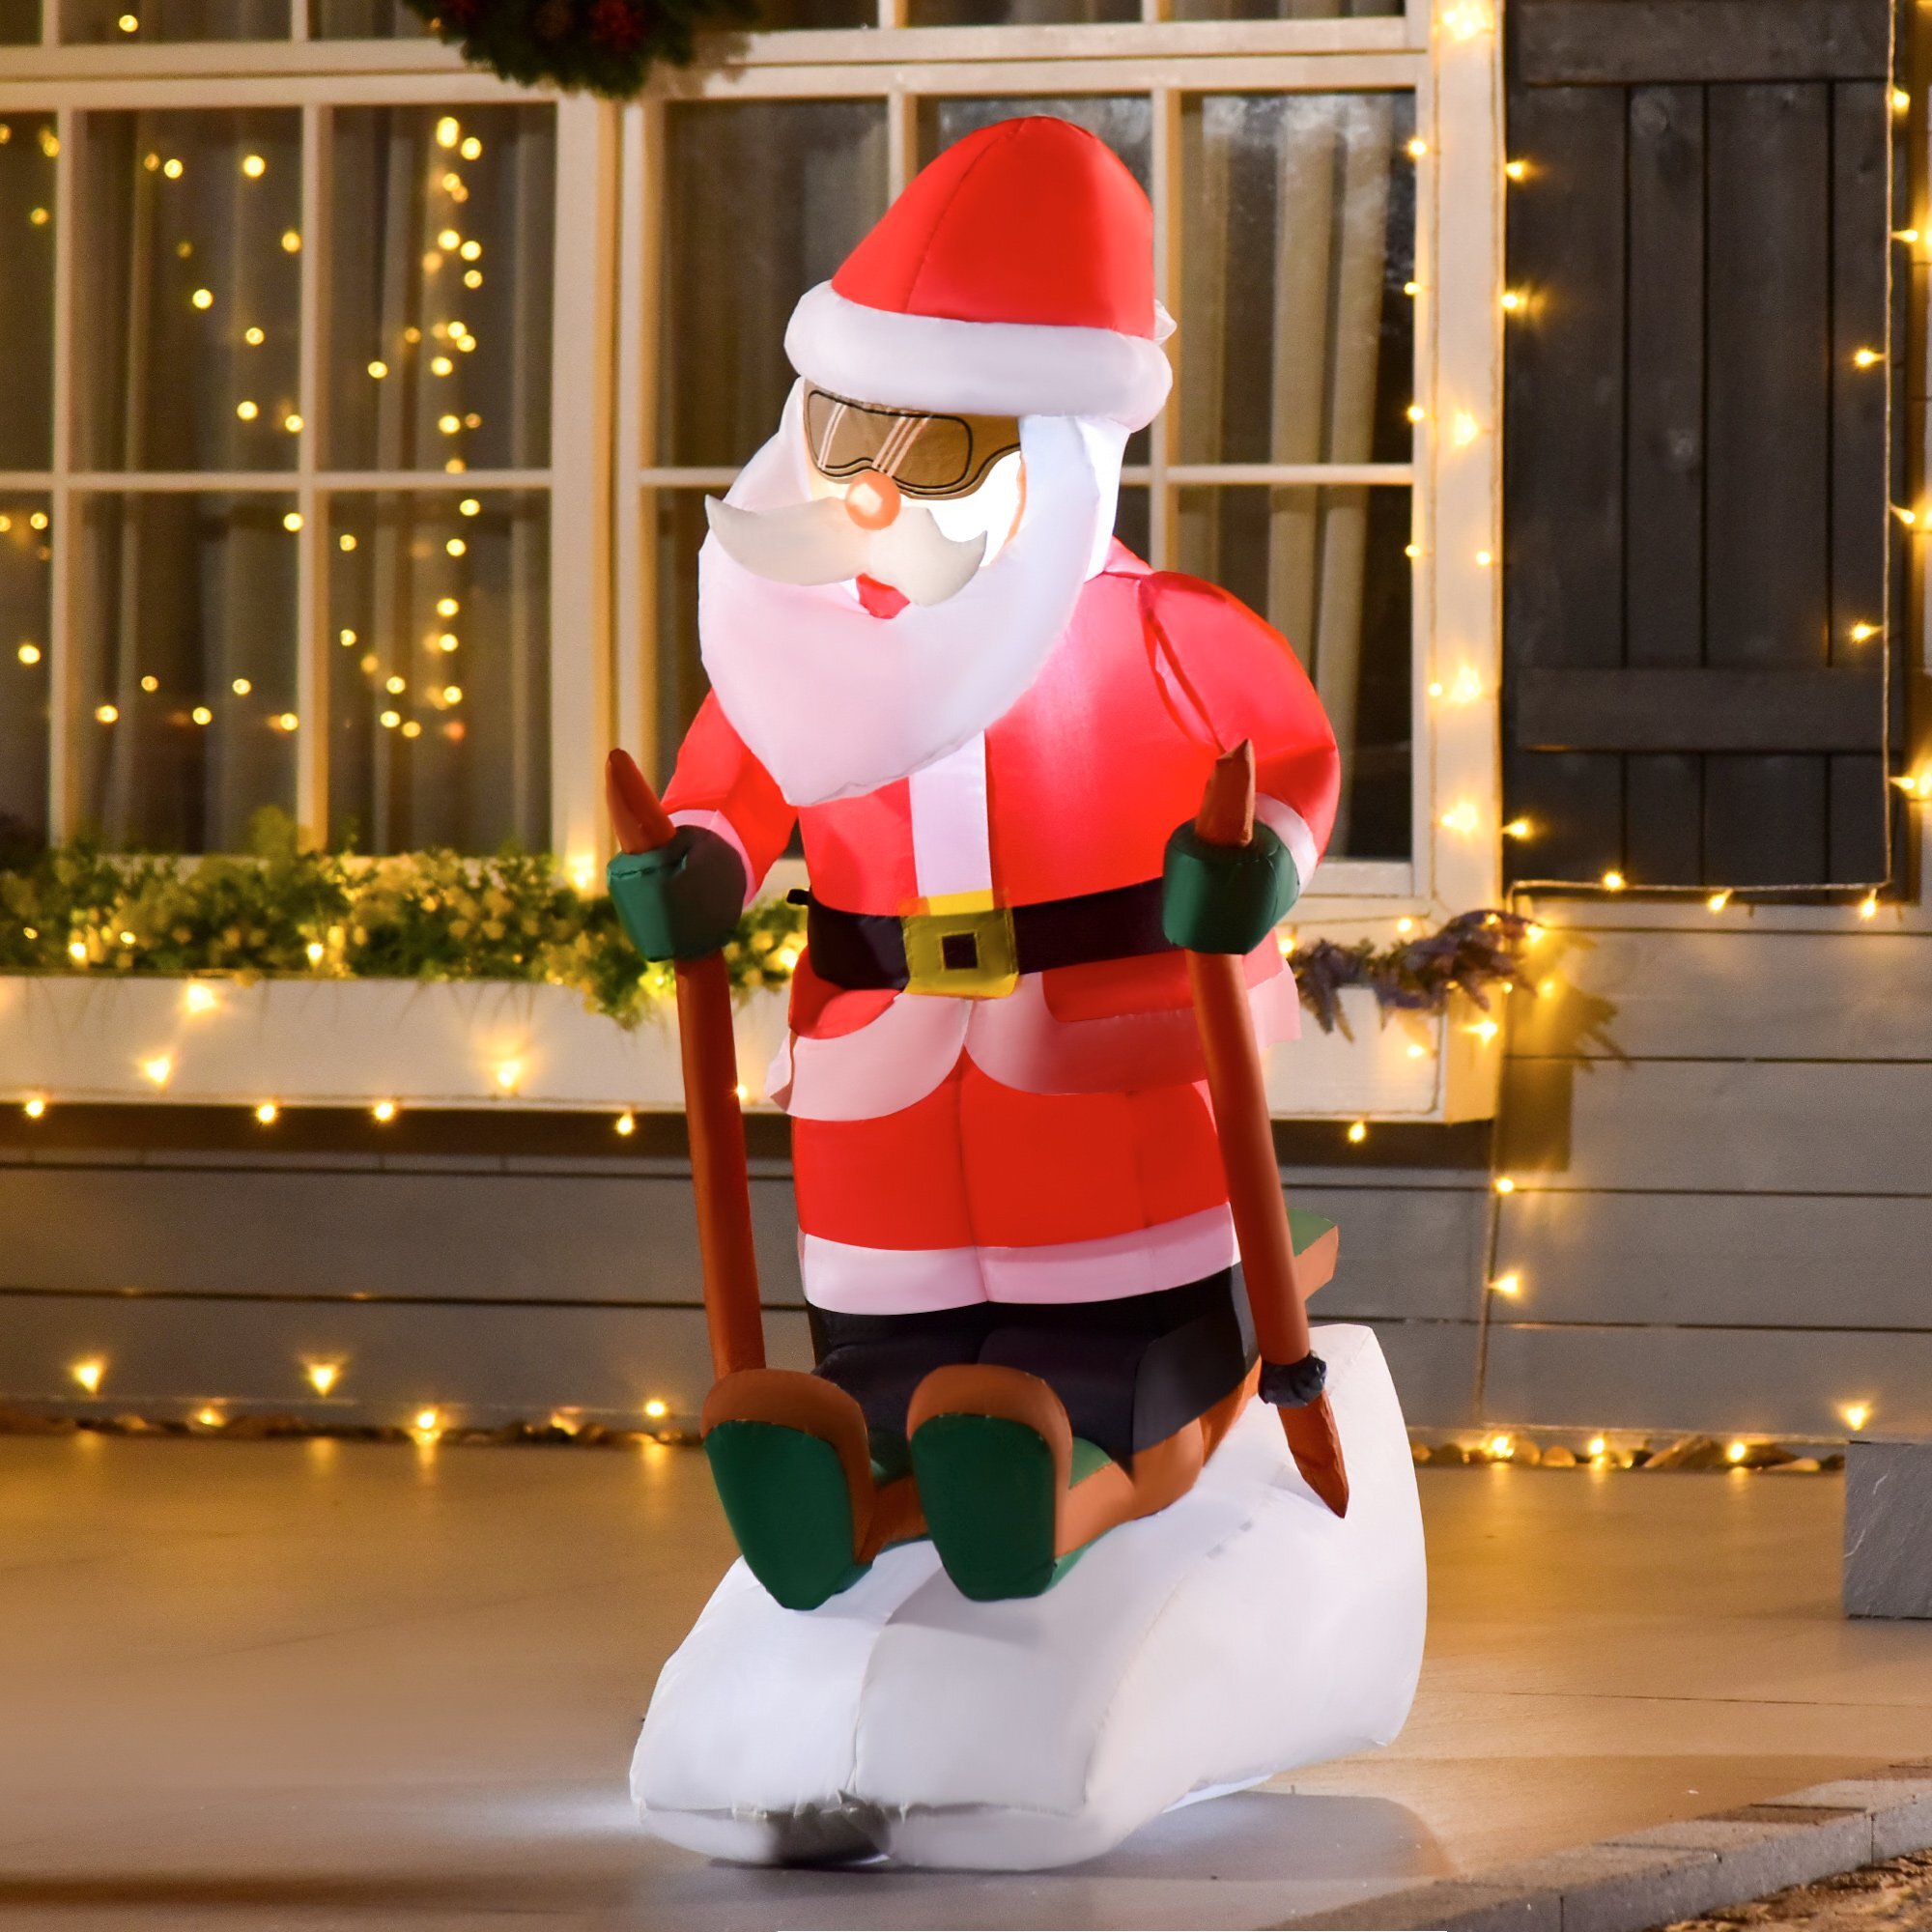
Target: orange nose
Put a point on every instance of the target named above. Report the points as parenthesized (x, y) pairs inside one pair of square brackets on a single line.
[(873, 500)]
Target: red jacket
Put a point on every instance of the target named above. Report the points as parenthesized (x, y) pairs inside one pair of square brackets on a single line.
[(1076, 790)]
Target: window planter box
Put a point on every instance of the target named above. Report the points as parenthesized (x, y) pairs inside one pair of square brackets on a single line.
[(480, 1043)]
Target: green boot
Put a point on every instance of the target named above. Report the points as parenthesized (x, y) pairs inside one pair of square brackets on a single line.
[(789, 1457), (995, 1462)]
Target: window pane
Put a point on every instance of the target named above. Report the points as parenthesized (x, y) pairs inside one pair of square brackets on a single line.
[(19, 22), (1326, 567), (764, 199), (1017, 12), (365, 20), (129, 21), (184, 668), (1124, 121), (440, 286), (1282, 9), (438, 671), (1297, 342), (28, 146), (25, 584), (189, 281)]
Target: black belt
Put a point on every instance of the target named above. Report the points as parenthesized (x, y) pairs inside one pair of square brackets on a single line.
[(979, 951)]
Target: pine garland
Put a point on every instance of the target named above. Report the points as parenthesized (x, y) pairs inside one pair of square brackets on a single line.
[(436, 916), (605, 46)]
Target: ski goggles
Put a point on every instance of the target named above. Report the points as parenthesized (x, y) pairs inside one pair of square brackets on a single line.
[(924, 455)]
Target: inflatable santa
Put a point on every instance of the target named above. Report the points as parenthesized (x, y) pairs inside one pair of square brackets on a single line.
[(991, 725)]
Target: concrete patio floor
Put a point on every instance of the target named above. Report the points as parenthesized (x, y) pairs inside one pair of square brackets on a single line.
[(324, 1684)]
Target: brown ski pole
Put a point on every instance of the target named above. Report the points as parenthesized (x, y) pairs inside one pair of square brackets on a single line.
[(1242, 1125), (718, 1175)]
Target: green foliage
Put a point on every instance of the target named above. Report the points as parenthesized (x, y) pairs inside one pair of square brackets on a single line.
[(436, 914), (605, 46), (329, 915)]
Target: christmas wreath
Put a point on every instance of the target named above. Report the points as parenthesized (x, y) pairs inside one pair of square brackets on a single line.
[(605, 46)]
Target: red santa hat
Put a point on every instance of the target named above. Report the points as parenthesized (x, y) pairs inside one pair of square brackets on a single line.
[(1015, 276)]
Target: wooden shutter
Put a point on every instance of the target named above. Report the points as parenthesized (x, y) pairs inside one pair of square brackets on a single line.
[(1696, 471)]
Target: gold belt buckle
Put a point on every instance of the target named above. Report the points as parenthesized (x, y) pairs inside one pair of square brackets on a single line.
[(961, 947)]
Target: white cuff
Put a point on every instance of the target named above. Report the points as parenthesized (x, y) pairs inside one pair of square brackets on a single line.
[(1291, 828)]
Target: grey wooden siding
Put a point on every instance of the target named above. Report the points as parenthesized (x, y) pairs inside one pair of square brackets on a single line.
[(1721, 1138), (506, 1285), (1695, 467)]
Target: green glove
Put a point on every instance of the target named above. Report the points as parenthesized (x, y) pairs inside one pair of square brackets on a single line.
[(1224, 899), (684, 899)]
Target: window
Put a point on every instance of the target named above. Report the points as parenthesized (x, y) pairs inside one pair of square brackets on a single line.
[(277, 495), (315, 507), (1294, 203)]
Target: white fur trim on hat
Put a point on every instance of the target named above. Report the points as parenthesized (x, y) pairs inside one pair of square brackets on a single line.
[(982, 368)]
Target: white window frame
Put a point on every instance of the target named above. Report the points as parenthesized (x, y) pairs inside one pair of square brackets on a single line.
[(1451, 66), (316, 77)]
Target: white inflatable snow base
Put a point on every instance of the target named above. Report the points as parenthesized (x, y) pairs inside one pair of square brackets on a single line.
[(1243, 1632)]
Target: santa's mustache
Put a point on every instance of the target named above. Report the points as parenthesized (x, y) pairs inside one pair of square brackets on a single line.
[(817, 542)]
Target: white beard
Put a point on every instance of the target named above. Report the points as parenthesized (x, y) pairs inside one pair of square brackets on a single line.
[(834, 703)]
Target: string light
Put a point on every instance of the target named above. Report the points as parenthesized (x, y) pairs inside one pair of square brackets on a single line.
[(345, 636), (156, 1068), (446, 607), (1404, 926), (1856, 1415), (1417, 147), (471, 148), (1901, 102), (1908, 517), (379, 369), (469, 507), (208, 1416), (1912, 785), (1501, 1447), (345, 542), (426, 1426), (322, 1376), (128, 23), (203, 298), (241, 687), (473, 279), (76, 951), (89, 1373), (394, 685), (1510, 1283), (292, 422), (315, 951), (202, 715), (1517, 170), (441, 365), (1613, 882), (1598, 1446), (1484, 558), (1359, 1132), (247, 410), (1868, 906), (1485, 1031), (456, 547), (29, 654), (1909, 236), (1861, 632), (1517, 828), (410, 729), (627, 1122), (253, 337), (268, 1112), (172, 168), (1514, 301), (447, 131), (657, 1409), (290, 242), (1864, 358), (508, 1073), (1465, 20), (1460, 818), (107, 713), (1504, 1184), (1464, 429), (253, 166), (390, 720), (293, 520), (1717, 901), (33, 1108), (1466, 687)]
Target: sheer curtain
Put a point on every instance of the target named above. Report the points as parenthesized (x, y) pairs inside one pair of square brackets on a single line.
[(1297, 345)]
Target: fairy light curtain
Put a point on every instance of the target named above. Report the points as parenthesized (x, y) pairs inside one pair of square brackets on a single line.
[(436, 331)]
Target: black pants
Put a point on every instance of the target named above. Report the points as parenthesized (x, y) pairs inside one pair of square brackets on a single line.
[(1130, 1372)]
